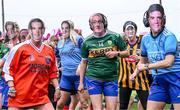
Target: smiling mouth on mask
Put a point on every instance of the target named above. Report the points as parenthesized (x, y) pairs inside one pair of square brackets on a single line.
[(130, 36)]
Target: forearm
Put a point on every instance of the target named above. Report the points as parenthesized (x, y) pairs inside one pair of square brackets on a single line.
[(55, 83), (166, 63), (159, 64), (82, 71), (124, 53)]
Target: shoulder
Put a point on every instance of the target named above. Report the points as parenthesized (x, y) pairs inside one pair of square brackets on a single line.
[(79, 38), (112, 33), (168, 33), (20, 45), (89, 37), (48, 46)]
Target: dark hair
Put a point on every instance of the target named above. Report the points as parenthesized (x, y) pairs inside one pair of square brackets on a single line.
[(67, 22), (153, 7), (129, 23), (36, 20), (9, 23)]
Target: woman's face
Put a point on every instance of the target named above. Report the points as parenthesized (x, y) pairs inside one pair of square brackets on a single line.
[(65, 30), (10, 31)]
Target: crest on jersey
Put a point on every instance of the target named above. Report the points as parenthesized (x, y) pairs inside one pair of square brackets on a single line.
[(47, 59), (31, 57), (109, 42)]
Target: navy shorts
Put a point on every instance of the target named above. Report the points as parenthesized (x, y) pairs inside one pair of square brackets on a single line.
[(166, 88), (69, 83), (108, 88)]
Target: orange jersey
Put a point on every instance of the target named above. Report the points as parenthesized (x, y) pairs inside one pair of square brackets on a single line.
[(31, 69)]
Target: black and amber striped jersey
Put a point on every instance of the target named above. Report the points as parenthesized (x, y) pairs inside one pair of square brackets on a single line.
[(127, 66)]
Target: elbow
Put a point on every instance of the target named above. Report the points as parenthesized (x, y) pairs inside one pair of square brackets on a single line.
[(169, 64)]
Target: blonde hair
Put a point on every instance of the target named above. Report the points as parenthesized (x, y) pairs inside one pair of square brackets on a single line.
[(73, 33)]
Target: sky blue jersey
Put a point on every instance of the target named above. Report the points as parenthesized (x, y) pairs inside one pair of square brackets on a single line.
[(156, 48), (70, 55)]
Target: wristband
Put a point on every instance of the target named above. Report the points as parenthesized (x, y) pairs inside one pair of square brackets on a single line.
[(11, 86), (57, 88), (119, 54)]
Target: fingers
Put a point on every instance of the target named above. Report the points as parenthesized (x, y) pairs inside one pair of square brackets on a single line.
[(57, 95), (80, 90), (110, 54), (12, 92)]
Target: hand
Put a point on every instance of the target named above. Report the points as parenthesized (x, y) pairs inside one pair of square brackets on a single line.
[(12, 92), (57, 94), (141, 67), (111, 54), (133, 76), (81, 87), (83, 98)]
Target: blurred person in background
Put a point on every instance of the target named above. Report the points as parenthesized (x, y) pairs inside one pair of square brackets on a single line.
[(23, 35), (127, 66)]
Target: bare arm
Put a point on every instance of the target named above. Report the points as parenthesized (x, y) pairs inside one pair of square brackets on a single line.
[(57, 89), (81, 71), (112, 54), (167, 62), (144, 65), (55, 83), (143, 60)]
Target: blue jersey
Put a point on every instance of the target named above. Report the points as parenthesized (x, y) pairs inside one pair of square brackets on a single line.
[(156, 48), (70, 55)]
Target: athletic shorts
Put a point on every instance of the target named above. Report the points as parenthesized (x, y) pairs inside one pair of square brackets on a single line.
[(108, 88), (166, 88), (69, 83), (1, 85), (4, 91)]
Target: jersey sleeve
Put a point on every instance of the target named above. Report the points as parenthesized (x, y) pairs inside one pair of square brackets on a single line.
[(53, 71), (80, 41), (171, 44), (121, 43), (11, 63), (84, 51), (143, 48)]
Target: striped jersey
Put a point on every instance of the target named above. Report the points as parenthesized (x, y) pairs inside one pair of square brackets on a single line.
[(127, 67), (31, 69)]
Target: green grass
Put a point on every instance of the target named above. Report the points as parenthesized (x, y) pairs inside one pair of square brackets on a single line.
[(134, 106)]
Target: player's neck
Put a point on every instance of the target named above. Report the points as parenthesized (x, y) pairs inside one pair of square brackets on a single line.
[(132, 41), (37, 44)]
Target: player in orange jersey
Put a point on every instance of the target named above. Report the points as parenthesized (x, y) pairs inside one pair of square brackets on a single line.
[(28, 69)]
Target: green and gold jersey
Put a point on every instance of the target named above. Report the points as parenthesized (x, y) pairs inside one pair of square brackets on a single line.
[(94, 49), (3, 50)]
